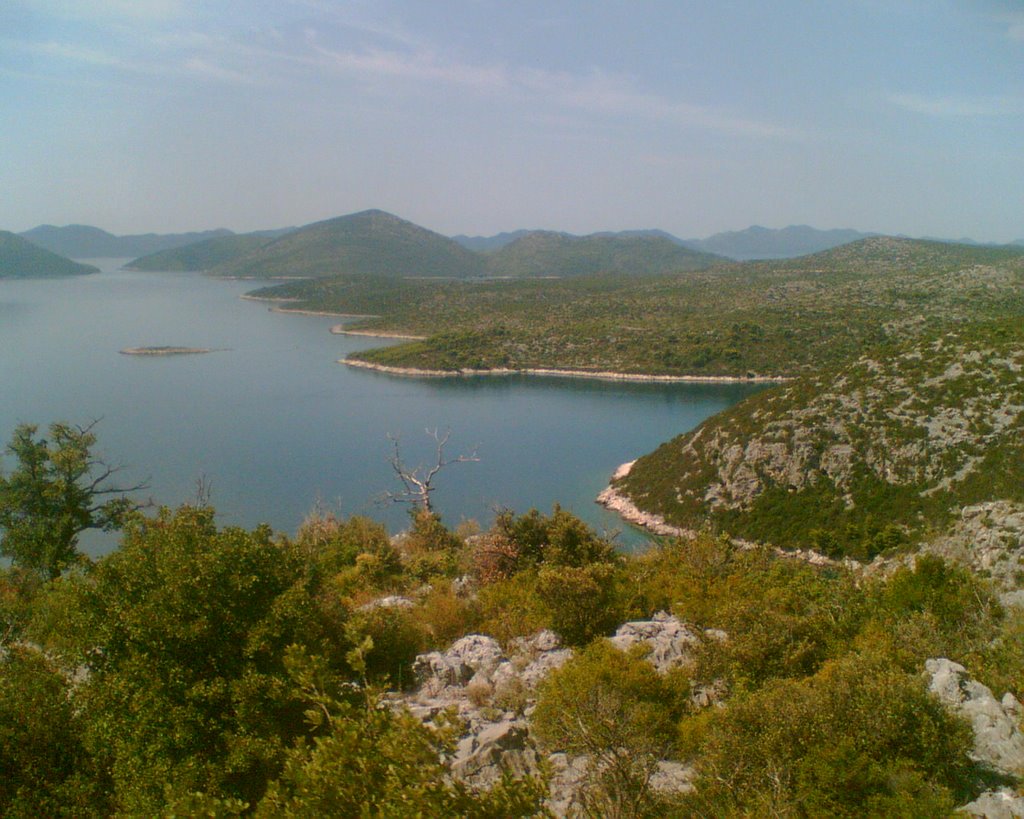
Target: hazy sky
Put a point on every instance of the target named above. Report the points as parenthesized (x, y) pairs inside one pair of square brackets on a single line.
[(478, 116)]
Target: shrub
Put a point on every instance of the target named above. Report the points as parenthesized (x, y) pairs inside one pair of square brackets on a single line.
[(614, 707), (858, 738), (581, 602)]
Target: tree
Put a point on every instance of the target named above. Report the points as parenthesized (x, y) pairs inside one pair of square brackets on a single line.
[(58, 490), (419, 481)]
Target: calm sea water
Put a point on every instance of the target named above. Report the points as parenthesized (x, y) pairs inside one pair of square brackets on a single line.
[(275, 426)]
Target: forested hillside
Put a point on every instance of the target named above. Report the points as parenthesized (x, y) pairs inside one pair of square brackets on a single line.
[(765, 318), (873, 455), (20, 259)]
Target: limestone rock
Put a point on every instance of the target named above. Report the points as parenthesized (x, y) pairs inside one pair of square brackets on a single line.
[(998, 742), (671, 642), (1001, 804)]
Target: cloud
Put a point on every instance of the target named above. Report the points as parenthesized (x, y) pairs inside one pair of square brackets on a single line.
[(66, 51), (421, 66), (211, 71), (958, 106), (107, 9), (595, 91)]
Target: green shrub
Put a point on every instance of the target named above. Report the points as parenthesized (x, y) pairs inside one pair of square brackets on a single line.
[(614, 707), (856, 739), (581, 603)]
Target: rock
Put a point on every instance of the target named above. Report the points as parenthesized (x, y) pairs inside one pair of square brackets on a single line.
[(998, 742), (568, 774), (476, 652), (673, 778), (1001, 804), (671, 642), (393, 601), (989, 539)]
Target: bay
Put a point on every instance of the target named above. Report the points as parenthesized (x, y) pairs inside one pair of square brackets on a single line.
[(274, 426)]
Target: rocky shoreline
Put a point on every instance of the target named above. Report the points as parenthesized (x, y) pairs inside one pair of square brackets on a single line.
[(611, 498), (339, 330), (556, 373)]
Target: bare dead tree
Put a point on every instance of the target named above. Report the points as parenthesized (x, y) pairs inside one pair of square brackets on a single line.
[(418, 482)]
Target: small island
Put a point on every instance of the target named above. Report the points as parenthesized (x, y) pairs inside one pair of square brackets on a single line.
[(165, 350)]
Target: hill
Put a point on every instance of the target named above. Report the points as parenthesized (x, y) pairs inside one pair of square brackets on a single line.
[(369, 242), (487, 244), (86, 242), (201, 255), (880, 452), (757, 242), (20, 259), (781, 318), (545, 253)]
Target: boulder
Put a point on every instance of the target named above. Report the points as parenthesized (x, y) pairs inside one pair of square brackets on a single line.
[(998, 742), (671, 642)]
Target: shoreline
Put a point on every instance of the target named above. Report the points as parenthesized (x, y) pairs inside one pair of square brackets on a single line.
[(613, 500), (295, 311), (416, 372), (339, 330)]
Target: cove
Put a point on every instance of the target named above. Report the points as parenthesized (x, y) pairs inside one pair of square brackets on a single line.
[(273, 426)]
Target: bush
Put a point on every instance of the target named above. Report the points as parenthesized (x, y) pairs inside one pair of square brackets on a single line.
[(858, 738), (614, 707), (581, 603), (397, 636)]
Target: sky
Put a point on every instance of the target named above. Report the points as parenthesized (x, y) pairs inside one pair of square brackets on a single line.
[(478, 116)]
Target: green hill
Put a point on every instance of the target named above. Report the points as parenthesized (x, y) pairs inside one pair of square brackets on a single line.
[(370, 242), (769, 318), (879, 452), (20, 259), (545, 253), (201, 255)]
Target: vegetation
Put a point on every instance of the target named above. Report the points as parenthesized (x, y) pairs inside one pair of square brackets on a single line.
[(58, 489), (200, 670), (20, 259), (769, 318), (544, 253), (370, 242), (857, 460), (201, 255)]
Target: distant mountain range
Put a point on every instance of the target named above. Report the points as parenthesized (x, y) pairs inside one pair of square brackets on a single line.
[(20, 259), (373, 241), (766, 243), (739, 245), (86, 242), (376, 242)]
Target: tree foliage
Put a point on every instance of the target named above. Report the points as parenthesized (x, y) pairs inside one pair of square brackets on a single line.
[(57, 490)]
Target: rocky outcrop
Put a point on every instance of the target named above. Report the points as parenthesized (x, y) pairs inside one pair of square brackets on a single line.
[(492, 692), (998, 741), (670, 642), (923, 418), (1000, 804), (989, 539)]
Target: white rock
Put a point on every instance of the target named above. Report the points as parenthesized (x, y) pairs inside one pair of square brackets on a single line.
[(998, 742)]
